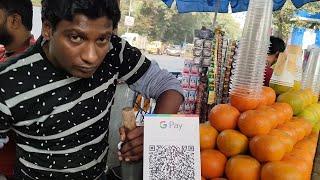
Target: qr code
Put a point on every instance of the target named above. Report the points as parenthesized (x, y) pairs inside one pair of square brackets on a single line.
[(171, 162)]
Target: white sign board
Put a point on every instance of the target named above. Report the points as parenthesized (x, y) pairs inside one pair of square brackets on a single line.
[(171, 147), (129, 21)]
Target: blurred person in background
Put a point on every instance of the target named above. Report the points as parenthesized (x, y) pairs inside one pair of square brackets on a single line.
[(15, 38), (277, 46), (15, 27)]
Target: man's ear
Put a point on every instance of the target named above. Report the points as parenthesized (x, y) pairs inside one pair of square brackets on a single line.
[(14, 21), (46, 30)]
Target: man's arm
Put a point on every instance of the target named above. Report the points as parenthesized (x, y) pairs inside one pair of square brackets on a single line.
[(147, 78), (163, 87), (169, 102), (166, 89)]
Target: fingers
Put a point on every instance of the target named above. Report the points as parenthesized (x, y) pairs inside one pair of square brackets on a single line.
[(132, 148), (131, 145), (135, 133), (136, 157), (122, 132)]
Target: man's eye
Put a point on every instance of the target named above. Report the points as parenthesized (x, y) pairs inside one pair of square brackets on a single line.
[(102, 40), (76, 39)]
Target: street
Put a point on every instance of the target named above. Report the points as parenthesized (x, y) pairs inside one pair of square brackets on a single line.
[(171, 63)]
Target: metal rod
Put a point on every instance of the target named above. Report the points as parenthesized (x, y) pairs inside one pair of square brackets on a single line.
[(217, 7), (130, 5)]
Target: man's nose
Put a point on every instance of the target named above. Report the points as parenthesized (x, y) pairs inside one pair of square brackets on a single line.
[(89, 54)]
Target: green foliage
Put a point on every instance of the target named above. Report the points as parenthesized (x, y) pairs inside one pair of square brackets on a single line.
[(36, 2), (283, 19), (155, 20)]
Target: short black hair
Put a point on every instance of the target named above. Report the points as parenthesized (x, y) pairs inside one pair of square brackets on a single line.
[(55, 11), (277, 45), (21, 7)]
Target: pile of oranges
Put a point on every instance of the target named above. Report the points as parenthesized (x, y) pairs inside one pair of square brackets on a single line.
[(256, 140)]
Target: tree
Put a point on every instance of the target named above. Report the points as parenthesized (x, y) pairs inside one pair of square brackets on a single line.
[(36, 2), (155, 20), (229, 25), (283, 19)]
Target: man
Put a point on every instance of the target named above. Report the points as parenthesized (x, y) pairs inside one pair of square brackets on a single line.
[(277, 46), (57, 96), (15, 27), (15, 37)]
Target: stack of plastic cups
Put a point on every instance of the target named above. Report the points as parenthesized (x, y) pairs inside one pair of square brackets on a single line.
[(248, 75), (311, 75)]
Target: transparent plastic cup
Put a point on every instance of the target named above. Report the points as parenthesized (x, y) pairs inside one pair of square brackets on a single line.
[(311, 75), (248, 74), (249, 94)]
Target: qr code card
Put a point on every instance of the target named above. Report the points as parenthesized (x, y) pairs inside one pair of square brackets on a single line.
[(171, 147)]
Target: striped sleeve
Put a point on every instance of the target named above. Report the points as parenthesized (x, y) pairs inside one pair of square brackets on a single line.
[(5, 119), (133, 63)]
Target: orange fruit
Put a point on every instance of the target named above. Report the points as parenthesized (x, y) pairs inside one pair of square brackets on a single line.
[(284, 137), (280, 171), (288, 130), (296, 129), (305, 124), (268, 96), (243, 103), (284, 110), (231, 142), (212, 163), (302, 154), (208, 136), (305, 145), (267, 148), (218, 179), (252, 123), (202, 178), (243, 167), (299, 163), (224, 116), (271, 113)]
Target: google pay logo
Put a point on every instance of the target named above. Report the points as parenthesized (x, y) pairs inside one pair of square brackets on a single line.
[(170, 125), (163, 125)]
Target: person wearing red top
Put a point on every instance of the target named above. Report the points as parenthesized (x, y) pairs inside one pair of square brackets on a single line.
[(15, 27), (15, 38), (277, 46)]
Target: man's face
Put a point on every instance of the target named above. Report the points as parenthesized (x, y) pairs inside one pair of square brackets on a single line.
[(5, 37), (80, 46), (271, 59)]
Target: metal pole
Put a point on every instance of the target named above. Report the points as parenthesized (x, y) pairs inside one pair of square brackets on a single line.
[(130, 7), (130, 4), (217, 7)]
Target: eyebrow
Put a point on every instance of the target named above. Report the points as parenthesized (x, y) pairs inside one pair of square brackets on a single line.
[(109, 25), (77, 30)]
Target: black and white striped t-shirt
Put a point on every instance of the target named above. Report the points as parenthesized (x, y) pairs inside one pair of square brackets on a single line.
[(61, 122)]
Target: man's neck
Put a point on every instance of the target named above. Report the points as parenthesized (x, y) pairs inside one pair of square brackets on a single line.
[(49, 56), (19, 42)]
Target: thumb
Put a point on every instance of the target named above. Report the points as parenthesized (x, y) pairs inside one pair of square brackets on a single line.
[(122, 132)]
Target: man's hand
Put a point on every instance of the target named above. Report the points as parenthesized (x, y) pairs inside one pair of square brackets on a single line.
[(132, 149), (3, 142)]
